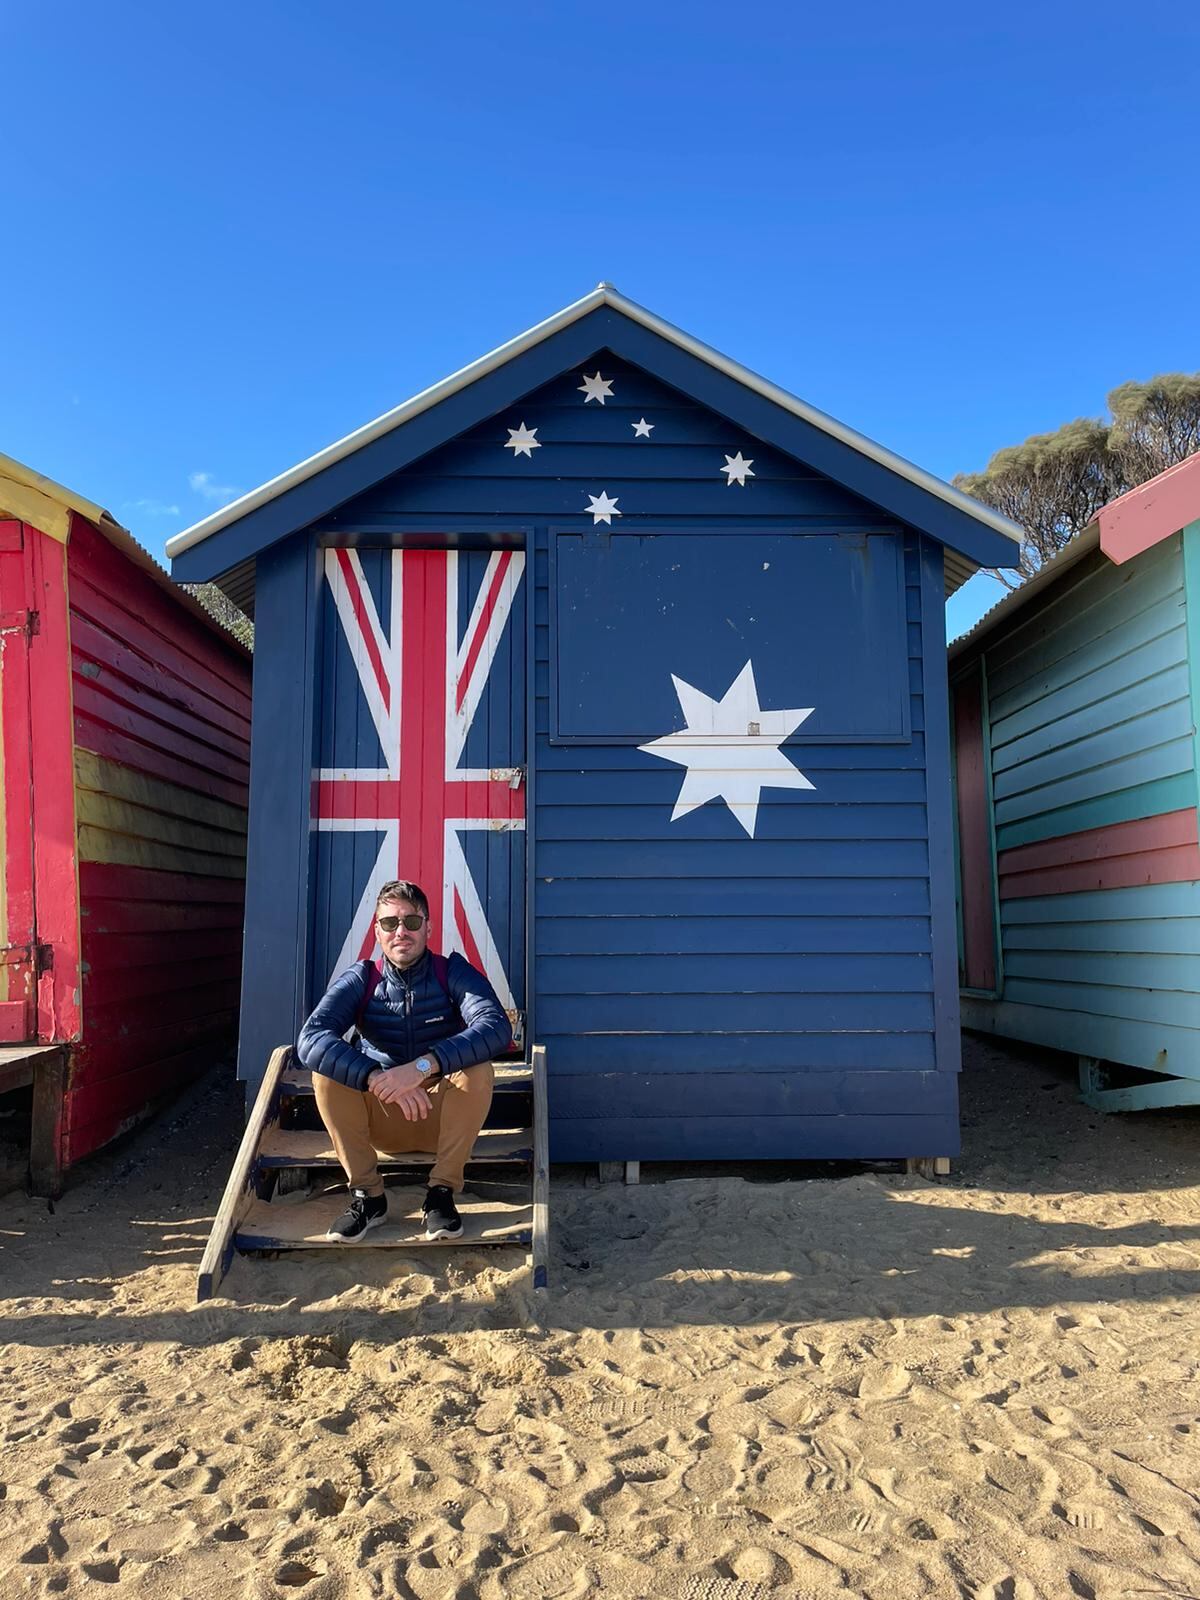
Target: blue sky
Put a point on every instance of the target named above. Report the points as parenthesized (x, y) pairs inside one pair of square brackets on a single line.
[(237, 233)]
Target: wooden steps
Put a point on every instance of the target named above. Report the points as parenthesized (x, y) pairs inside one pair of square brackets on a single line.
[(278, 1196), (311, 1147)]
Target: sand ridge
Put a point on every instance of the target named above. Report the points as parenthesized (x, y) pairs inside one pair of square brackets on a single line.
[(865, 1384)]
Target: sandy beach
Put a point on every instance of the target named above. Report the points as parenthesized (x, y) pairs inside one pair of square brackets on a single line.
[(745, 1384)]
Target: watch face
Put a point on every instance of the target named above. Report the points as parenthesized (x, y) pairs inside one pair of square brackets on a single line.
[(424, 1064)]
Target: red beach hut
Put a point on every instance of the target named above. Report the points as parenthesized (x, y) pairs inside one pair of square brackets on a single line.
[(124, 750)]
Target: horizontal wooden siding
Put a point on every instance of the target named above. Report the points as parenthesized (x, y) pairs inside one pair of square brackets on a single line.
[(162, 721)]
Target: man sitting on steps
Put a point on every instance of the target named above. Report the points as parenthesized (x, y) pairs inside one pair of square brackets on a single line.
[(419, 1075)]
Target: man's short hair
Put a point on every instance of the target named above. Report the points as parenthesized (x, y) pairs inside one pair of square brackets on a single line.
[(401, 889)]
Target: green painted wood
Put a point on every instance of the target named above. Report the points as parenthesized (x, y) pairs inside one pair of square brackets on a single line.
[(1144, 1096), (1126, 805), (1127, 712), (1126, 772), (1164, 725), (1154, 900), (1169, 1007), (1150, 936), (1093, 598), (1104, 675), (1143, 972), (1155, 1047), (1191, 587)]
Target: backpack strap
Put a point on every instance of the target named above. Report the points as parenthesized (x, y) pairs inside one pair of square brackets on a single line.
[(373, 977)]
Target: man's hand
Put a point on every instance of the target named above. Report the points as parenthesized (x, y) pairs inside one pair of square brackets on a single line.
[(403, 1087)]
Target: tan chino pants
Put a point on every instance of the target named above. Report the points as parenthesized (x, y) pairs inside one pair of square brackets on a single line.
[(360, 1126)]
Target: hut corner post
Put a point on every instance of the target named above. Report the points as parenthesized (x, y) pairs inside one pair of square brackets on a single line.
[(275, 946), (940, 828)]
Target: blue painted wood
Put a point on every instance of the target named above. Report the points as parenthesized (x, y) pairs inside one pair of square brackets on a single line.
[(600, 791), (815, 821), (274, 992), (748, 1053), (691, 857), (723, 972), (774, 1094), (865, 759), (941, 826), (739, 1013), (775, 896), (688, 936), (751, 1138), (652, 601), (510, 385)]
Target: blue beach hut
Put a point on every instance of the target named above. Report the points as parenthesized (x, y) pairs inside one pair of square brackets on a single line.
[(637, 663)]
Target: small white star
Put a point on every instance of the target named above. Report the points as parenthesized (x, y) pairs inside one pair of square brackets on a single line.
[(602, 508), (523, 441), (730, 748), (643, 429), (596, 388), (738, 469)]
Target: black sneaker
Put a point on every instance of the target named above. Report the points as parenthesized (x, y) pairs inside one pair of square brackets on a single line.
[(366, 1212), (442, 1220)]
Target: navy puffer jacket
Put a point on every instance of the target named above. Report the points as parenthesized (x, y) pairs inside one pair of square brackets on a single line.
[(407, 1016)]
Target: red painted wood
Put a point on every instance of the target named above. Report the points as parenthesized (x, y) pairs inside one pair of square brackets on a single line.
[(109, 617), (176, 948), (97, 565), (130, 919), (17, 600), (142, 982), (55, 866), (1160, 849), (93, 644), (477, 638), (110, 1056), (1152, 512), (115, 745), (160, 693), (974, 839), (103, 881), (11, 537), (204, 735), (96, 704), (358, 601), (102, 1110)]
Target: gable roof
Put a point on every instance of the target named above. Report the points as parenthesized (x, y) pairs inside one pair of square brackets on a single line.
[(1126, 527), (966, 513), (31, 497)]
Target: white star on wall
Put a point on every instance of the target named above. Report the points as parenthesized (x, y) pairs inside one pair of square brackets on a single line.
[(738, 469), (596, 388), (523, 441), (602, 508), (643, 429), (730, 748)]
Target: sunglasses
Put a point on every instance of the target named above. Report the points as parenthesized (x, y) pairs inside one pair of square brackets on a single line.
[(413, 922)]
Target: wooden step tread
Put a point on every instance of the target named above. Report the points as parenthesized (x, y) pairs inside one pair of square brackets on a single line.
[(302, 1226), (304, 1147), (508, 1075)]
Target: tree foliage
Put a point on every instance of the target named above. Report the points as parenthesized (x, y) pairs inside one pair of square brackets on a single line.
[(1054, 484), (222, 609)]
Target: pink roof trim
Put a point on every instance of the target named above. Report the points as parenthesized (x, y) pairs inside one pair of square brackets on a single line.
[(1152, 512)]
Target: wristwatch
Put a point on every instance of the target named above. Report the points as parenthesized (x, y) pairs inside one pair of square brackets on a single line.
[(425, 1065)]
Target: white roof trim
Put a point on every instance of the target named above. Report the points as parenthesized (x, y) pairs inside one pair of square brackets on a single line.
[(603, 295)]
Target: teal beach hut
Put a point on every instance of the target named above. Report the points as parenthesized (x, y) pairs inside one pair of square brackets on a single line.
[(1075, 707)]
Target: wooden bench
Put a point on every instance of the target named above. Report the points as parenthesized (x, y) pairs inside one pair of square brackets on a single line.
[(45, 1067)]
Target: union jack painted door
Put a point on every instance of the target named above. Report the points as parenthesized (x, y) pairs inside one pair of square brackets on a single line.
[(421, 754)]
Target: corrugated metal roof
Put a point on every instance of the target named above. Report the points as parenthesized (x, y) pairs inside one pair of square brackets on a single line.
[(1081, 545), (603, 295), (48, 506)]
